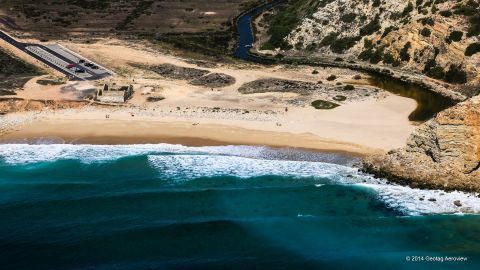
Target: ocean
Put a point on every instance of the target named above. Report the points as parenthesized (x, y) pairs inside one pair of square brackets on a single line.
[(227, 207)]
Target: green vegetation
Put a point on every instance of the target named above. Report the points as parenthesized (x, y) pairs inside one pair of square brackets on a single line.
[(388, 30), (456, 75), (432, 70), (371, 27), (446, 13), (329, 39), (406, 11), (472, 49), (425, 32), (436, 72), (455, 36), (349, 87), (141, 7), (10, 65), (342, 44), (14, 72), (470, 9), (348, 18), (474, 29), (404, 52), (91, 4), (388, 58), (376, 56), (428, 21), (288, 17), (324, 105), (331, 78), (339, 98)]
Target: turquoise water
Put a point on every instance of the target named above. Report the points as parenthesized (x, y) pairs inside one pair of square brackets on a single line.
[(237, 207)]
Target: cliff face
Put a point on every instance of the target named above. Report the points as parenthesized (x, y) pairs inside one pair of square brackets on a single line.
[(442, 153), (433, 37)]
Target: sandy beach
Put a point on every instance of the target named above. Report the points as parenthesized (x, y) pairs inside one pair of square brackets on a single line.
[(360, 128), (368, 120)]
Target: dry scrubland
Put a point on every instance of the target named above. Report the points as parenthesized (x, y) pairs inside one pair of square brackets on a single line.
[(193, 25), (49, 16)]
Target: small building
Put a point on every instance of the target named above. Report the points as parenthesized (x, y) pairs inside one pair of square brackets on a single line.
[(114, 95)]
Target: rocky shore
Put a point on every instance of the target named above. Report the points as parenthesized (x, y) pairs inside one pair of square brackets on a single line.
[(442, 153)]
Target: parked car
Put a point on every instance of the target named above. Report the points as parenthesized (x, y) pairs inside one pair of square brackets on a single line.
[(70, 66), (79, 70), (81, 61)]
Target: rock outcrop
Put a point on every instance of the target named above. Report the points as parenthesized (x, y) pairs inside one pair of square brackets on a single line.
[(427, 37), (442, 153)]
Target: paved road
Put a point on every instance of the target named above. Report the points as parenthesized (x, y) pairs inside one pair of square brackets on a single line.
[(58, 59)]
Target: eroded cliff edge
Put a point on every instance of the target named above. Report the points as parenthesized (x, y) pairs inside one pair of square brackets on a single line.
[(442, 153)]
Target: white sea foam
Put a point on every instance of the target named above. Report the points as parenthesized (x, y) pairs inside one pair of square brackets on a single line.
[(247, 162), (31, 153)]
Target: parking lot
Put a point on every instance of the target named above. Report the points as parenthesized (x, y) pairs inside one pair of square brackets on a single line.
[(62, 59)]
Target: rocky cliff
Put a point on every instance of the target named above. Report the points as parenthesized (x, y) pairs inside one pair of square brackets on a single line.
[(440, 38), (442, 153)]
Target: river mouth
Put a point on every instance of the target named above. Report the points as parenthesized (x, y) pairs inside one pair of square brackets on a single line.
[(428, 103)]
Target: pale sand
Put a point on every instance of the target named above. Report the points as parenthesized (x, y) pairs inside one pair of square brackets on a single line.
[(362, 128)]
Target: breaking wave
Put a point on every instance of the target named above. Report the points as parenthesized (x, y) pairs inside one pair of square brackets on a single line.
[(182, 163)]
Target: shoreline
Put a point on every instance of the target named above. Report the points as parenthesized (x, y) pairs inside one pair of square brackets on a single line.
[(99, 132), (358, 128)]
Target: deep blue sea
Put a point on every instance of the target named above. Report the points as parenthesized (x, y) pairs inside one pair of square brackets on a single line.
[(232, 207)]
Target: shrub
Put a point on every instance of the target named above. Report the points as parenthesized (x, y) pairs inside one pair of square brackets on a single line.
[(426, 32), (367, 43), (446, 13), (324, 105), (404, 52), (436, 72), (430, 21), (455, 36), (472, 49), (376, 57), (365, 55), (456, 75), (331, 78), (474, 29), (329, 39), (370, 28), (348, 18), (349, 87), (342, 44), (388, 58), (388, 30), (339, 98), (407, 9), (357, 77), (315, 71)]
